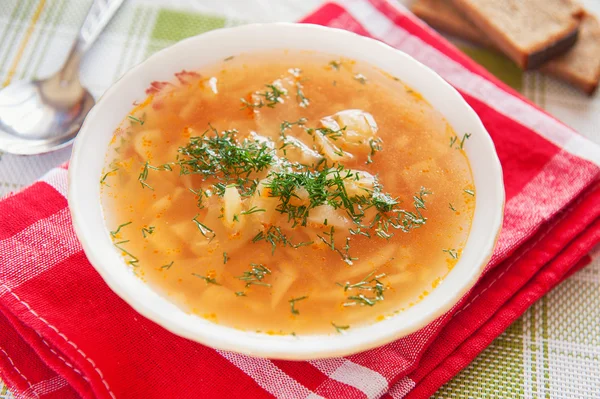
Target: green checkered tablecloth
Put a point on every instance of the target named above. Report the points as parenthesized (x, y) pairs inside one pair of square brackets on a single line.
[(553, 351)]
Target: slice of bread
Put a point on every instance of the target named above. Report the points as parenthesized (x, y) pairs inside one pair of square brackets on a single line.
[(444, 16), (530, 32), (581, 65)]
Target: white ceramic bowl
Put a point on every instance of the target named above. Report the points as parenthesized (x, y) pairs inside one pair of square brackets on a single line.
[(193, 53)]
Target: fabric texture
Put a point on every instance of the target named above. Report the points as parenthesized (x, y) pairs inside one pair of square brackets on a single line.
[(65, 334)]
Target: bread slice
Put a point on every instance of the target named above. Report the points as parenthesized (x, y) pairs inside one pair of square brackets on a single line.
[(444, 16), (581, 65), (530, 32)]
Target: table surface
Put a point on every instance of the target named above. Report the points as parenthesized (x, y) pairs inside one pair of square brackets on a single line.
[(552, 351)]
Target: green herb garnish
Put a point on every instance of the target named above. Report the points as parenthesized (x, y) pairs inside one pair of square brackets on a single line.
[(255, 275), (292, 303), (303, 101), (219, 156), (470, 192), (225, 257), (136, 120), (167, 267), (454, 140), (147, 231), (209, 280), (144, 175), (372, 284), (103, 179), (376, 146), (134, 260), (273, 235), (114, 233), (451, 252), (206, 231), (240, 293), (465, 137), (330, 242), (252, 210), (285, 125), (340, 329), (451, 207), (272, 96), (335, 65)]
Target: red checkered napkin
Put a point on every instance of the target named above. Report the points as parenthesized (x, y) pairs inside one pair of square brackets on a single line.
[(64, 334)]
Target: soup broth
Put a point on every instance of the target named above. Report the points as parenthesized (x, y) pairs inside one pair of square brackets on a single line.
[(288, 192)]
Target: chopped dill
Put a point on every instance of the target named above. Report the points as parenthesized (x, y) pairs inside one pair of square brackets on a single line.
[(360, 78), (470, 192), (255, 275), (336, 65), (333, 134), (240, 293), (136, 120), (376, 146), (114, 233), (166, 166), (292, 303), (144, 175), (285, 125), (451, 207), (370, 283), (273, 235), (465, 137), (252, 210), (206, 231), (103, 179), (461, 143), (147, 231), (134, 260), (340, 329), (209, 280), (331, 244), (229, 58), (167, 267), (303, 101), (225, 257), (272, 96), (451, 252), (219, 156)]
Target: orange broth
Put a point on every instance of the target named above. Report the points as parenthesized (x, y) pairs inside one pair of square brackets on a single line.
[(288, 192)]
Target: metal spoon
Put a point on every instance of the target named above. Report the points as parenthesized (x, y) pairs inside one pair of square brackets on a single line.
[(44, 115)]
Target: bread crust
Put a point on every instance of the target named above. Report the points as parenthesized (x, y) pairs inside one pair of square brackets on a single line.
[(581, 65), (527, 56)]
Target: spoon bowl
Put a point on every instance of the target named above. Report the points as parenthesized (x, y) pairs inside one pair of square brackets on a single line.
[(45, 115), (42, 115)]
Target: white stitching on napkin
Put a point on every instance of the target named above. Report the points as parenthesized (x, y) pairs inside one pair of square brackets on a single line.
[(19, 371), (112, 395), (75, 369)]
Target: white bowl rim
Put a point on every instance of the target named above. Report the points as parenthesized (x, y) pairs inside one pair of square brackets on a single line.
[(276, 346)]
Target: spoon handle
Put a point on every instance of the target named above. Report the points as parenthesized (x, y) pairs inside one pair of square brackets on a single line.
[(95, 21)]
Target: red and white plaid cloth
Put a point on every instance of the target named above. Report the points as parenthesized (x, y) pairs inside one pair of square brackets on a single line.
[(64, 334)]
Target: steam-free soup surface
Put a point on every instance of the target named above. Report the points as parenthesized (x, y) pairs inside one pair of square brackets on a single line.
[(288, 193)]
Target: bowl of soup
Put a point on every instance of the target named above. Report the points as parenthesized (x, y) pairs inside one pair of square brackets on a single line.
[(287, 191)]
